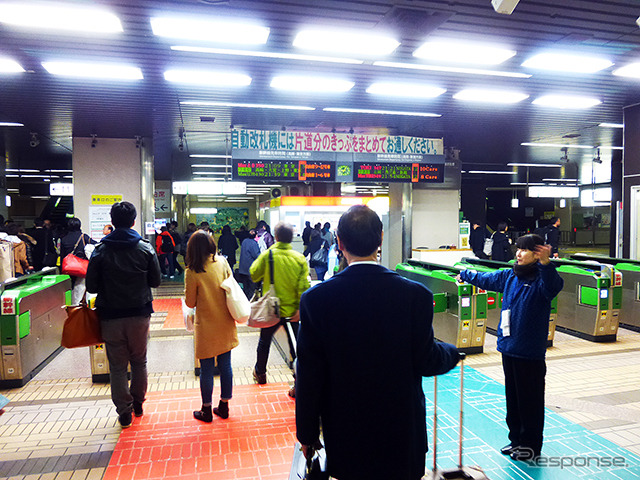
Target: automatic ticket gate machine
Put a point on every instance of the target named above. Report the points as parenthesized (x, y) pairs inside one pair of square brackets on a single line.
[(589, 304), (494, 302), (31, 322), (629, 275), (460, 312)]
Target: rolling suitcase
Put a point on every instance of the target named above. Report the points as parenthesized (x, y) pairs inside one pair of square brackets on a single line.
[(462, 472)]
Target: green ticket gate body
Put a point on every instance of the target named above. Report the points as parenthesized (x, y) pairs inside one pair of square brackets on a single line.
[(589, 303), (494, 303), (459, 313), (31, 324), (630, 279)]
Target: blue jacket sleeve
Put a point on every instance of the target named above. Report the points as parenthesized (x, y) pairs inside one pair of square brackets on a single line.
[(494, 281), (552, 282)]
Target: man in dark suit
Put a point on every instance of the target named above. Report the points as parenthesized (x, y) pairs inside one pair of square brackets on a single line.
[(364, 344)]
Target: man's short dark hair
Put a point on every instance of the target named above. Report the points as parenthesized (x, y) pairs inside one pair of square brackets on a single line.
[(38, 222), (553, 220), (74, 224), (360, 231), (123, 214), (283, 232), (502, 226)]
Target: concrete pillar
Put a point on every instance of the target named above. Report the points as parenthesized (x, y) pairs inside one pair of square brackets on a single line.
[(113, 166), (400, 223)]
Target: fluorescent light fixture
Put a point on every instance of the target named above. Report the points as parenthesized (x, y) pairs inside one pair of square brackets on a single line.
[(515, 203), (203, 210), (381, 112), (297, 83), (611, 125), (350, 43), (526, 184), (260, 54), (247, 105), (439, 68), (563, 203), (463, 52), (210, 173), (566, 101), (631, 70), (548, 165), (202, 155), (11, 124), (59, 17), (562, 62), (209, 187), (599, 197), (7, 200), (206, 165), (207, 78), (39, 197), (22, 170), (10, 66), (106, 71), (228, 200), (215, 31), (491, 172), (490, 96), (12, 176), (559, 179), (59, 171), (609, 147), (553, 192), (555, 145), (414, 90)]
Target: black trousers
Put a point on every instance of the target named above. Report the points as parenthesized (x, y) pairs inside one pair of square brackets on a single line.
[(524, 389)]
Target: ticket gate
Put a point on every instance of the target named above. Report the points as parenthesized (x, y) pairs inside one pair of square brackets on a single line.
[(630, 270), (31, 324), (459, 311), (494, 304), (589, 304)]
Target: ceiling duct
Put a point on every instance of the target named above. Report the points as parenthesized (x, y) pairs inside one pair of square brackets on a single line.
[(410, 21)]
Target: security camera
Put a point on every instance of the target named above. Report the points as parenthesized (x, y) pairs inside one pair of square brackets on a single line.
[(35, 141), (94, 140)]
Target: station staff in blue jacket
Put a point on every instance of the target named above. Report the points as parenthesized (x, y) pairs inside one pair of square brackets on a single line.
[(527, 290)]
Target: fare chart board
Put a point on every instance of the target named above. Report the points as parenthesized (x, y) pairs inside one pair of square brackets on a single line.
[(335, 157)]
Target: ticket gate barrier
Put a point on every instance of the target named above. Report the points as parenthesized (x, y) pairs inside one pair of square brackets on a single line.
[(494, 304), (630, 278), (31, 324), (459, 312), (589, 304)]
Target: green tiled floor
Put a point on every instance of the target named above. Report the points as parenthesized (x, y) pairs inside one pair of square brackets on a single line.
[(485, 432)]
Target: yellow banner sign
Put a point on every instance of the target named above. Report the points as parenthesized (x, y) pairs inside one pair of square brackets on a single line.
[(105, 199)]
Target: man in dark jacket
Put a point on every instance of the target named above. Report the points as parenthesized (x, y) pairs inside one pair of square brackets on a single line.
[(477, 238), (552, 236), (44, 253), (501, 249), (123, 269), (364, 344)]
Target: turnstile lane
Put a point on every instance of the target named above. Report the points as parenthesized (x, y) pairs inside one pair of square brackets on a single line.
[(31, 322), (460, 311), (494, 303), (589, 304), (630, 271)]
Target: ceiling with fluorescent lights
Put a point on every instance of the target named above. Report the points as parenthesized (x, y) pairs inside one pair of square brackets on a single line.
[(488, 136)]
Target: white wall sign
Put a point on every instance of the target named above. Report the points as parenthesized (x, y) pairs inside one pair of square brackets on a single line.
[(162, 200)]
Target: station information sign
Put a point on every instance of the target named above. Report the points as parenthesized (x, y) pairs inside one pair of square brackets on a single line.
[(398, 172), (294, 170)]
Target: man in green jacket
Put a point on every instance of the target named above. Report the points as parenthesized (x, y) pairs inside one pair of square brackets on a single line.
[(290, 278)]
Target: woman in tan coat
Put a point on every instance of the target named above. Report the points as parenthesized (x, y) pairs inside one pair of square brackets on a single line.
[(215, 330)]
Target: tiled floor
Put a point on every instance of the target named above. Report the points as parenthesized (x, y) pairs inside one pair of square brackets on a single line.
[(61, 426)]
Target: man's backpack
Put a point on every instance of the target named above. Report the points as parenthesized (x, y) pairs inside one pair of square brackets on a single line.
[(167, 244)]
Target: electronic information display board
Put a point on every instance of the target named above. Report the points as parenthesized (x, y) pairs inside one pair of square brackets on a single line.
[(300, 170), (398, 172)]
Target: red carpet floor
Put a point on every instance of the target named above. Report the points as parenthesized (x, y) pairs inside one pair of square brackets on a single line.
[(173, 307), (255, 442)]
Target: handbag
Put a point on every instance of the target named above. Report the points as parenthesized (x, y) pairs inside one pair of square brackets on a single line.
[(308, 469), (265, 311), (189, 315), (82, 326), (237, 302), (488, 246), (73, 265)]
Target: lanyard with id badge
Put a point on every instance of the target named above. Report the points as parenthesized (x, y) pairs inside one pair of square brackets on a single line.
[(505, 315)]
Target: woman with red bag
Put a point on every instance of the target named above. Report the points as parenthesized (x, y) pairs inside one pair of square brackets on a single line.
[(74, 242)]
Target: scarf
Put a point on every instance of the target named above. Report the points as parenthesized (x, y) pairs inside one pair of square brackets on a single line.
[(526, 272)]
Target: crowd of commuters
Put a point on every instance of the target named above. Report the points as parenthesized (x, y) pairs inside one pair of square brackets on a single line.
[(343, 379)]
